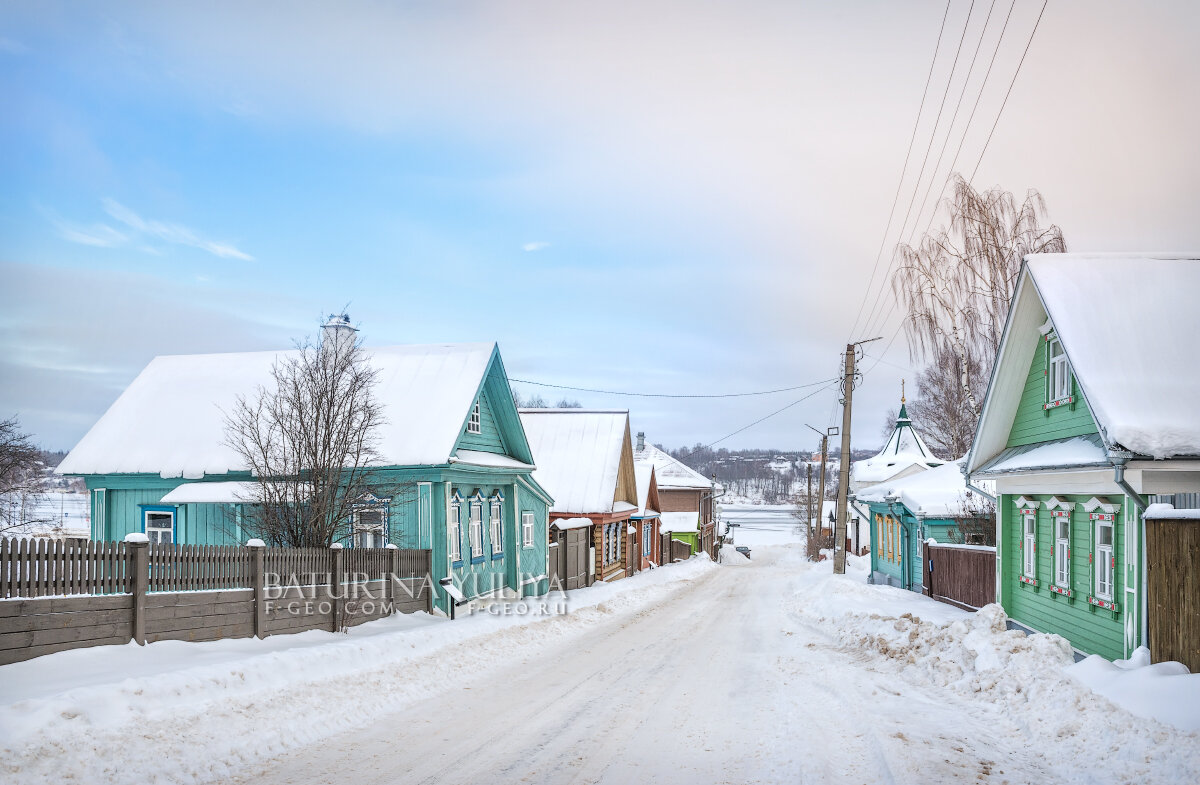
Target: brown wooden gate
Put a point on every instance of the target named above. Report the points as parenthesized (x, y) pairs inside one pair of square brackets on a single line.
[(960, 575), (576, 558), (1173, 578)]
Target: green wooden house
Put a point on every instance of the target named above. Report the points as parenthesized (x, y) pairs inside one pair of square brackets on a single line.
[(1092, 412), (456, 469), (904, 513)]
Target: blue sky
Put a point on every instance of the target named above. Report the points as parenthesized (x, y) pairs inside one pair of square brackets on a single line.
[(661, 197)]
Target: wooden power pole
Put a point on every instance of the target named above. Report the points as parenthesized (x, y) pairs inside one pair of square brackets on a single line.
[(839, 527), (808, 523)]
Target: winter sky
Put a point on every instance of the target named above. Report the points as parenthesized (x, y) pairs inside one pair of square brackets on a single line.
[(665, 197)]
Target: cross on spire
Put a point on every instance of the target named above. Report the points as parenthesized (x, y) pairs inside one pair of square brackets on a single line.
[(901, 391)]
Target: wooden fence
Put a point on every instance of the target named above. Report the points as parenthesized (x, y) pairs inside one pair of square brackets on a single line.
[(59, 596), (680, 551), (961, 575)]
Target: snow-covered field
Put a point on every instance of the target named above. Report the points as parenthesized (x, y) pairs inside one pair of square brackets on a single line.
[(762, 670)]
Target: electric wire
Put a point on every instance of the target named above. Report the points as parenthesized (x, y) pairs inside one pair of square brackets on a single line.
[(670, 395)]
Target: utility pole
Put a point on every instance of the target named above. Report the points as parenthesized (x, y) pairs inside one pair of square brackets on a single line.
[(839, 526), (814, 516), (808, 523)]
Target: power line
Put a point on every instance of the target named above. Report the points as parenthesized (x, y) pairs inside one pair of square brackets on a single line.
[(928, 148), (1009, 91), (668, 395), (903, 170), (759, 420)]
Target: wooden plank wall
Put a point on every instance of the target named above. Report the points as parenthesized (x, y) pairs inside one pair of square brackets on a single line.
[(961, 576), (1173, 583), (194, 593)]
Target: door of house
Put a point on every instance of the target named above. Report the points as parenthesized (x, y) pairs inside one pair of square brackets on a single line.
[(576, 558), (633, 554), (1173, 583)]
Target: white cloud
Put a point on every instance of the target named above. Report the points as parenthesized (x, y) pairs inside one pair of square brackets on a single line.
[(175, 234), (536, 245)]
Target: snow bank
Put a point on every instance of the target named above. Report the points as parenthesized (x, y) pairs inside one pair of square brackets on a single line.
[(87, 714), (1165, 691), (1032, 680)]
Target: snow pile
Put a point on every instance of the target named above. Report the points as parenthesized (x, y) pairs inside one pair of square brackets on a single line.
[(1161, 512), (72, 715), (1026, 680), (1165, 691)]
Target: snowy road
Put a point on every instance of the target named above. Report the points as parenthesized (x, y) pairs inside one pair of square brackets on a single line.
[(720, 683)]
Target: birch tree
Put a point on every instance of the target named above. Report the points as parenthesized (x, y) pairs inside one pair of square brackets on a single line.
[(956, 284)]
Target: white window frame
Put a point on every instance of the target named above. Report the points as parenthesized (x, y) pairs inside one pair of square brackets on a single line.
[(372, 535), (1059, 370), (527, 529), (155, 533), (496, 524), (1062, 551), (454, 527), (475, 422), (647, 538), (475, 529), (1106, 577), (1029, 551)]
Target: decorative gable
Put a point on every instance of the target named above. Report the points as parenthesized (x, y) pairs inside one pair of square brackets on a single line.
[(1101, 503)]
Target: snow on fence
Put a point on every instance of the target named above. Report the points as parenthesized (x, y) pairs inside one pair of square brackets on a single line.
[(61, 596), (963, 576)]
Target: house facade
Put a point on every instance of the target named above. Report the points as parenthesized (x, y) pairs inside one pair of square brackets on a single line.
[(904, 513), (1091, 414), (687, 498), (455, 474), (585, 461), (648, 543)]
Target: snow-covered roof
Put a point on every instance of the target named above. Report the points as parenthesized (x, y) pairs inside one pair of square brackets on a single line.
[(578, 455), (644, 473), (489, 460), (904, 450), (679, 521), (1129, 326), (1160, 512), (212, 493), (171, 419), (936, 493), (670, 473), (571, 523), (1069, 453)]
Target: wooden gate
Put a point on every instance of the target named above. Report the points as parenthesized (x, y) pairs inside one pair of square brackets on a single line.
[(555, 562), (680, 551), (959, 575), (575, 558), (1173, 578)]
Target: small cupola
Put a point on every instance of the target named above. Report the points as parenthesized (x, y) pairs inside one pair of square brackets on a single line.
[(337, 330)]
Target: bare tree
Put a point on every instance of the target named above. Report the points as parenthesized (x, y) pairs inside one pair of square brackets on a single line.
[(942, 408), (310, 441), (974, 520), (956, 285), (20, 480), (568, 403)]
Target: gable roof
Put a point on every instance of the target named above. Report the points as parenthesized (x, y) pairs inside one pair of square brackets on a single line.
[(936, 493), (905, 449), (171, 419), (648, 503), (578, 453), (1139, 376), (670, 473)]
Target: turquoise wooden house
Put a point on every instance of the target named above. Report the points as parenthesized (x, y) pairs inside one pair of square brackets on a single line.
[(1092, 413), (904, 513), (455, 462)]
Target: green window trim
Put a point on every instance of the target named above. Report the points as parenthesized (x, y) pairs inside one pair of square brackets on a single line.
[(1051, 401)]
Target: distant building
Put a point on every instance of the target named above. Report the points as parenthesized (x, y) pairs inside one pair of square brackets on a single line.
[(904, 454), (686, 496)]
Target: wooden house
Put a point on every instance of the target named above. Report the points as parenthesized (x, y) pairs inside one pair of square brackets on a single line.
[(687, 498), (455, 461), (904, 513), (1091, 414), (648, 544), (585, 461)]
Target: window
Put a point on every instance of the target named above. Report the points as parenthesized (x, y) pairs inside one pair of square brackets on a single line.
[(647, 538), (891, 554), (473, 424), (496, 519), (475, 532), (454, 527), (1029, 566), (611, 542), (1062, 551), (1104, 559), (527, 529), (1058, 371), (160, 526), (370, 529)]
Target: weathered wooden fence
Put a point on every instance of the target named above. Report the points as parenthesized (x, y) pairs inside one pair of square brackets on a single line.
[(680, 551), (961, 575), (59, 596)]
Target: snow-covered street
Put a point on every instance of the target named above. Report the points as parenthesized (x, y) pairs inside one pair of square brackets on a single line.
[(760, 670)]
